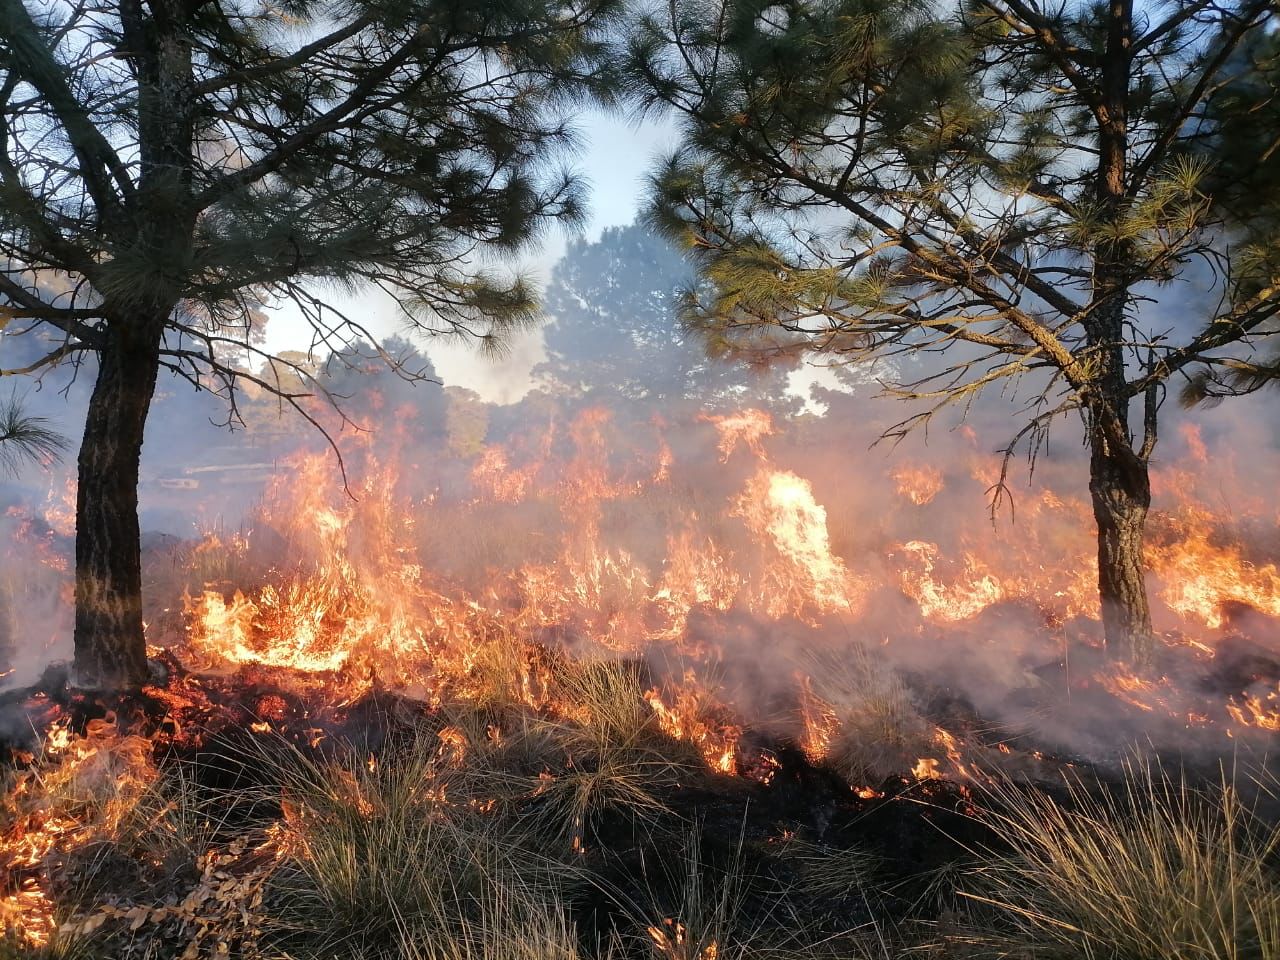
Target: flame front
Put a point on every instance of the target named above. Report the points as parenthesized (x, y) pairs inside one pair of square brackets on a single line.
[(583, 544)]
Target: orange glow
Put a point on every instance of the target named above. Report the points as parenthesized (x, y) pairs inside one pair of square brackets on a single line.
[(78, 790), (918, 483)]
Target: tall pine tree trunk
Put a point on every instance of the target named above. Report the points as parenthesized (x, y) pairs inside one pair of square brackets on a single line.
[(1121, 490), (1120, 485), (110, 651), (1118, 477)]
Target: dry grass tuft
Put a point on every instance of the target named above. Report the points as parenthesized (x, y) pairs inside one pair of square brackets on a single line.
[(1157, 871), (827, 871), (394, 848), (689, 908), (59, 947), (613, 754), (878, 728), (512, 922)]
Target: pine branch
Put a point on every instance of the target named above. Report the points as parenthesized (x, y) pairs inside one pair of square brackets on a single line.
[(25, 439)]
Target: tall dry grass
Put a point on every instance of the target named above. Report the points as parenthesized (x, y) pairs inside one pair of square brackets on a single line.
[(879, 729), (378, 847), (1156, 870), (613, 755)]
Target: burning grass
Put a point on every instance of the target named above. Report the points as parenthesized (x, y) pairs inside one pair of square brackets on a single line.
[(465, 833), (575, 712), (861, 716)]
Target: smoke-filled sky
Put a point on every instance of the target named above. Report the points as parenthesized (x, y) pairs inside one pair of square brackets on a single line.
[(615, 155)]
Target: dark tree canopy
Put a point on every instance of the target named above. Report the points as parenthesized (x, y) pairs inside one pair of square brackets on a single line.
[(382, 142), (1238, 138), (170, 168)]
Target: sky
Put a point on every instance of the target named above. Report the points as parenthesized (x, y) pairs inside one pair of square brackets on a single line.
[(615, 156)]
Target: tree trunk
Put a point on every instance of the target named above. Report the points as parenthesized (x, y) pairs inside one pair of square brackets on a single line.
[(110, 651), (1121, 491), (1118, 477)]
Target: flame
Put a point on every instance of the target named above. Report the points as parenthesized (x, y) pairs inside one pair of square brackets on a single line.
[(746, 427), (926, 768), (780, 507), (1252, 710), (79, 789), (674, 942), (1201, 576), (963, 599), (919, 483), (696, 716), (585, 540)]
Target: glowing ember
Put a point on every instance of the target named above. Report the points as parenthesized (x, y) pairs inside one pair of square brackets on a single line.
[(1262, 712), (674, 943), (77, 791)]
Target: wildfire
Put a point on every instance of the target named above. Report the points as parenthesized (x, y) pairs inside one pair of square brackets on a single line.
[(359, 602), (570, 545)]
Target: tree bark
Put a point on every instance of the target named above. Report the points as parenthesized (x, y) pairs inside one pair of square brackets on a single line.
[(1119, 480), (110, 650), (1121, 489)]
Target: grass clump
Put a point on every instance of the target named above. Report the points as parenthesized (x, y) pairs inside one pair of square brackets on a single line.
[(381, 850), (511, 922), (830, 872), (864, 717), (713, 897), (59, 947), (614, 756), (1153, 871)]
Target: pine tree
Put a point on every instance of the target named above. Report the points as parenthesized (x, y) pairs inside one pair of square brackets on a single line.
[(25, 437), (1003, 184), (616, 329), (170, 168)]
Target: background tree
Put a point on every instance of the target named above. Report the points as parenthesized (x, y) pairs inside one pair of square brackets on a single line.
[(616, 326), (170, 167), (466, 422), (1007, 183)]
